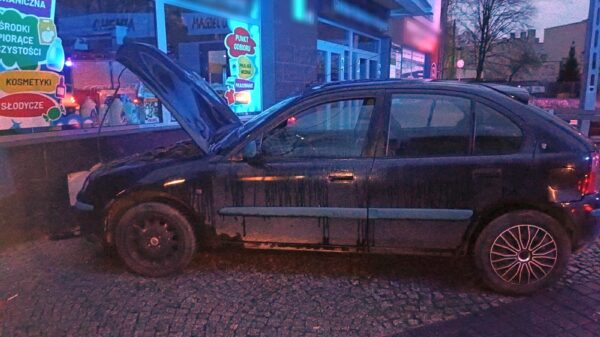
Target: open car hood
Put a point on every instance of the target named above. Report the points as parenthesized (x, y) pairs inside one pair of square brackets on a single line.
[(197, 107)]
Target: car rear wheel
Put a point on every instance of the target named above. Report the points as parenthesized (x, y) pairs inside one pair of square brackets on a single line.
[(154, 239), (521, 252)]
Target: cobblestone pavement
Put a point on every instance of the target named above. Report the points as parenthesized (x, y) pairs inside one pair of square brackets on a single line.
[(68, 288)]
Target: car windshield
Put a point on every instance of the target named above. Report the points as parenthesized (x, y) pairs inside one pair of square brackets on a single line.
[(266, 114)]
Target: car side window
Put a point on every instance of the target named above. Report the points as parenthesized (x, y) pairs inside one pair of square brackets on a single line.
[(423, 125), (331, 130), (495, 133)]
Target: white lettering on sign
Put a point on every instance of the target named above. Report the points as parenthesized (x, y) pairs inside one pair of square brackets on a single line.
[(14, 27), (8, 38), (22, 106), (21, 50), (242, 38), (242, 47), (29, 3)]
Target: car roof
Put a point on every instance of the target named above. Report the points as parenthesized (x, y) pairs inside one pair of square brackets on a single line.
[(474, 88)]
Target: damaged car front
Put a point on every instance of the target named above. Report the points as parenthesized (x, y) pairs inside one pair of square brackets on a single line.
[(200, 112)]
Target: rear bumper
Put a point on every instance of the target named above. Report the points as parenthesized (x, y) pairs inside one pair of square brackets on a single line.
[(585, 220)]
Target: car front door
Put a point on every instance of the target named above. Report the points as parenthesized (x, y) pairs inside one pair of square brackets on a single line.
[(309, 187)]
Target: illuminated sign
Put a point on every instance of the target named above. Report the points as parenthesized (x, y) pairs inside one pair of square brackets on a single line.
[(28, 105), (20, 44), (39, 8), (359, 14), (418, 36), (37, 81), (240, 43), (246, 68), (26, 42), (244, 85), (29, 49)]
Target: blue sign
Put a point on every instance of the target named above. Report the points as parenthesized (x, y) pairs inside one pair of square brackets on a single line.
[(39, 8)]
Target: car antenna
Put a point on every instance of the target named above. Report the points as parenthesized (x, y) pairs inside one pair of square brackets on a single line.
[(114, 98)]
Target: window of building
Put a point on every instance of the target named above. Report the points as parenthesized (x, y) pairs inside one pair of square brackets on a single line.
[(71, 84), (429, 125), (413, 64), (494, 133), (344, 54), (333, 34), (223, 51), (332, 130)]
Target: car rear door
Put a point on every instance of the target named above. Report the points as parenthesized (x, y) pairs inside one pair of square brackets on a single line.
[(420, 187), (447, 156), (311, 188)]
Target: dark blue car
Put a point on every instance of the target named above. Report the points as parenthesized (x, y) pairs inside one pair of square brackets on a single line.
[(381, 166)]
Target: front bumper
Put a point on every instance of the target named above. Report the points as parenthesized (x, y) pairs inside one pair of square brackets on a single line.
[(584, 216), (90, 221)]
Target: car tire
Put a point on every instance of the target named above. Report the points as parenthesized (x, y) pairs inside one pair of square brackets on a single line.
[(155, 239), (521, 252)]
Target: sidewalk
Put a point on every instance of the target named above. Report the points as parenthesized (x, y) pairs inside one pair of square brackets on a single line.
[(568, 311)]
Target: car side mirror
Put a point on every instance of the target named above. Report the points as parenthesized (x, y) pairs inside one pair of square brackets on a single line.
[(252, 155)]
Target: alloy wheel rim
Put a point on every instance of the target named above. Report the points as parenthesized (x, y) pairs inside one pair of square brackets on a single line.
[(523, 254)]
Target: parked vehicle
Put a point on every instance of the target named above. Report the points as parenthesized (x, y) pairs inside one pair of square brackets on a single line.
[(368, 166)]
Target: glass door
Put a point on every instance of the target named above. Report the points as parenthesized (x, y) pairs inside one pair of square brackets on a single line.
[(366, 65), (331, 60)]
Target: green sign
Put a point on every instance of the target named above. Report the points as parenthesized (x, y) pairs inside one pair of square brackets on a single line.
[(24, 40)]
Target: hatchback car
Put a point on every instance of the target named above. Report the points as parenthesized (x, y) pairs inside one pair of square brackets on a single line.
[(379, 166)]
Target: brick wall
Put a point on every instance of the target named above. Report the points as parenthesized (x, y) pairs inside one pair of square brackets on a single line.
[(295, 47)]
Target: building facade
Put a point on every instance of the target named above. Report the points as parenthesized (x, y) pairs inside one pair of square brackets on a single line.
[(58, 75)]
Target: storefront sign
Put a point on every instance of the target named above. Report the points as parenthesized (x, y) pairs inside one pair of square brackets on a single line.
[(40, 8), (243, 85), (139, 25), (246, 68), (20, 43), (419, 36), (28, 105), (359, 14), (240, 43), (36, 81), (201, 24)]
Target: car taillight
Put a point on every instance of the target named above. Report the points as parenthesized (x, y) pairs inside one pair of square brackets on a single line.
[(589, 184)]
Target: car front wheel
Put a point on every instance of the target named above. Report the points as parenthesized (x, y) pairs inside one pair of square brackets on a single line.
[(521, 252), (154, 239)]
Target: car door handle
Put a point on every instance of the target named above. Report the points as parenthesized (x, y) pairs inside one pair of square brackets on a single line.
[(341, 176), (487, 173)]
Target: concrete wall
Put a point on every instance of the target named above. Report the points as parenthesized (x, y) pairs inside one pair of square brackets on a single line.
[(34, 197)]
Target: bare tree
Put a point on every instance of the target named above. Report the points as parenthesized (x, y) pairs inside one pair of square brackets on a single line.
[(512, 57), (487, 21)]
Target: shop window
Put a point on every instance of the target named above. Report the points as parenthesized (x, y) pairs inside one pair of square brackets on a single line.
[(223, 51), (333, 34), (72, 83), (366, 43)]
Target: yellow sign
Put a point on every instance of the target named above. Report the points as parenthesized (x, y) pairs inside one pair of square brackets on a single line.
[(29, 81), (246, 68)]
